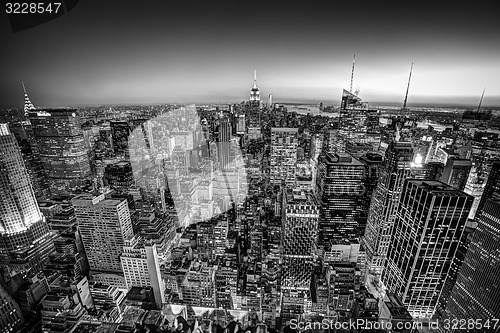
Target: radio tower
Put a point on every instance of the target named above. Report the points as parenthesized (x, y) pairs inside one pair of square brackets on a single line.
[(407, 88), (352, 73), (481, 100)]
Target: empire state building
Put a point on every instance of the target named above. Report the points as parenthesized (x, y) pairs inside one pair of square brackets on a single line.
[(254, 93)]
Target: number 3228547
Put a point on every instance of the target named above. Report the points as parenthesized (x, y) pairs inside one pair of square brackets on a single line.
[(32, 8)]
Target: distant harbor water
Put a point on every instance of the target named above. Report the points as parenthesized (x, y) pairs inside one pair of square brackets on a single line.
[(312, 109)]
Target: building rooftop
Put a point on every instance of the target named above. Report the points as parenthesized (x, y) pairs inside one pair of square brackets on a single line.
[(91, 200), (294, 197), (438, 188), (284, 129), (340, 159)]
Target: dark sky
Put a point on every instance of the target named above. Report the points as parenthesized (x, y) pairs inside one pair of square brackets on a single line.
[(105, 52)]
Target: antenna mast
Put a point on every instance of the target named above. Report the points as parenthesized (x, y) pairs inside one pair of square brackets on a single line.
[(407, 88), (481, 100), (352, 73)]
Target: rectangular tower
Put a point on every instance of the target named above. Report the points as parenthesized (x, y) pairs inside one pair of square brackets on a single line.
[(299, 238), (477, 289), (341, 190), (385, 200), (429, 224), (104, 225), (284, 142)]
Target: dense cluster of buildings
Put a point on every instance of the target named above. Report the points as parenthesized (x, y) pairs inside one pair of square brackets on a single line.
[(246, 217)]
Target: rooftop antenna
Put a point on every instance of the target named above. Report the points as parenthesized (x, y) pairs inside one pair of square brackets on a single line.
[(407, 88), (352, 73), (481, 100)]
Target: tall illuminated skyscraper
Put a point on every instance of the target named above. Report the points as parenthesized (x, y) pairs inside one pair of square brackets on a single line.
[(11, 317), (25, 239), (299, 240), (284, 142), (255, 93), (492, 185), (341, 190), (224, 142), (429, 223), (385, 200), (477, 289), (62, 148)]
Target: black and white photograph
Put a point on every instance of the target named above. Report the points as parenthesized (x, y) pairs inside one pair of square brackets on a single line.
[(249, 167)]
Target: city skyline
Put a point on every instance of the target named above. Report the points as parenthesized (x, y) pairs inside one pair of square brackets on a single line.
[(206, 168), (207, 54)]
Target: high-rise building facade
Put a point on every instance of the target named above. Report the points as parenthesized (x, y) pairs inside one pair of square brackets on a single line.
[(120, 131), (104, 224), (492, 185), (255, 93), (25, 239), (224, 143), (299, 240), (11, 317), (385, 200), (29, 150), (341, 191), (477, 289), (284, 142), (428, 228), (62, 148), (141, 268), (119, 176), (456, 172)]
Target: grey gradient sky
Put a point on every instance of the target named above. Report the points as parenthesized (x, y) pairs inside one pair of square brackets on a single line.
[(105, 52)]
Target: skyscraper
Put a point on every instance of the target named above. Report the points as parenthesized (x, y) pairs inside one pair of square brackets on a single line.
[(429, 224), (477, 289), (141, 268), (284, 142), (62, 148), (104, 225), (11, 317), (300, 236), (385, 200), (456, 171), (28, 106), (255, 93), (224, 142), (25, 239), (29, 150), (119, 176), (120, 131), (492, 185), (341, 191)]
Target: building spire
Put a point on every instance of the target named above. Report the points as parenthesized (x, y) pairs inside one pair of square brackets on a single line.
[(481, 100), (28, 106), (254, 93), (407, 88), (352, 73)]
